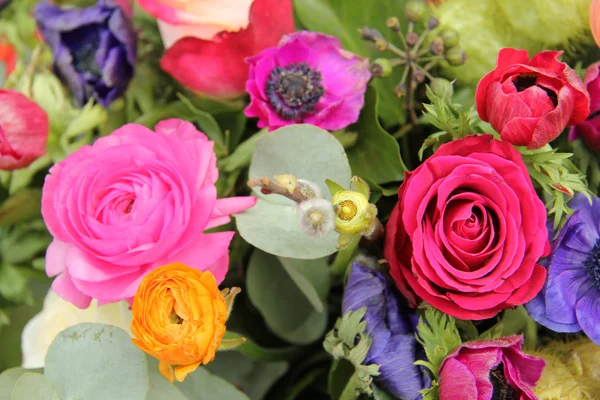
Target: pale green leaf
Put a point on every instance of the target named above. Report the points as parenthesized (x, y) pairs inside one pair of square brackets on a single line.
[(97, 362), (34, 386)]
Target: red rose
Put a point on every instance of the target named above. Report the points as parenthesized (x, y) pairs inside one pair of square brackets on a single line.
[(490, 369), (468, 230), (217, 67), (530, 102)]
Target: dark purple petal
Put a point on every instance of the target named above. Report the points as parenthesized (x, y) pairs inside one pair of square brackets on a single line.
[(588, 313), (394, 347), (94, 48)]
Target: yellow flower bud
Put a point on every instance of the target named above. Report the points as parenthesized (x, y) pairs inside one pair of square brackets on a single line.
[(354, 214), (288, 182)]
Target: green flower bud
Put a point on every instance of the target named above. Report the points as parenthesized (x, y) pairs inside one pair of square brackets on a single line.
[(437, 46), (393, 23), (456, 56), (381, 68), (400, 90), (412, 38), (450, 37), (415, 10), (441, 87)]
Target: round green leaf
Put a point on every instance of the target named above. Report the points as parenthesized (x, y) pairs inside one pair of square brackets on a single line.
[(96, 362), (34, 386), (202, 385), (306, 152), (160, 388), (8, 379), (275, 291)]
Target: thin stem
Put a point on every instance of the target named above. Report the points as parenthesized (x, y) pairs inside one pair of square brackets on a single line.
[(426, 72), (411, 97), (269, 187), (397, 61), (396, 50), (402, 131)]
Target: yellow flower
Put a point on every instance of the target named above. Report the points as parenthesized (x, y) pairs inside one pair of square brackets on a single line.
[(354, 215), (179, 317)]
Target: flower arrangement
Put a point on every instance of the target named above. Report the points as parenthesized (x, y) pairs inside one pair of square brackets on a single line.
[(299, 199)]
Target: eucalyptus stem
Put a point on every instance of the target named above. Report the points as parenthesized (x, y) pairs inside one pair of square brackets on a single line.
[(343, 257)]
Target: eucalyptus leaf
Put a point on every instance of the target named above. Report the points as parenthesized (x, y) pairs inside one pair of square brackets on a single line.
[(160, 388), (275, 292), (343, 19), (376, 155), (202, 385), (8, 379), (258, 353), (97, 362), (34, 386), (253, 378), (306, 152)]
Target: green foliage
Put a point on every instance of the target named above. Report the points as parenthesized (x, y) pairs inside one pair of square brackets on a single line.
[(375, 143), (449, 117), (343, 19), (558, 177), (438, 334), (306, 152), (349, 341), (33, 386), (588, 162), (277, 285), (96, 362)]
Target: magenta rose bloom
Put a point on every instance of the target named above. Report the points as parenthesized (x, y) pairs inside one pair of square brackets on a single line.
[(589, 130), (309, 79), (131, 202), (530, 102), (468, 230), (490, 369)]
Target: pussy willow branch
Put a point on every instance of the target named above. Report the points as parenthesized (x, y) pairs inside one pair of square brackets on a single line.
[(269, 187)]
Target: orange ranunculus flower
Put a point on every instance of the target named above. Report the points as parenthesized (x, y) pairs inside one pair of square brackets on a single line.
[(179, 317)]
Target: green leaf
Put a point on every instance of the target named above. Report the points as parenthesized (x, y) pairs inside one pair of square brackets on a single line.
[(23, 205), (160, 388), (274, 292), (310, 279), (376, 155), (208, 125), (97, 362), (339, 374), (202, 385), (34, 386), (8, 379), (306, 152), (253, 378), (343, 19), (243, 154), (334, 187), (380, 394), (258, 353), (13, 284)]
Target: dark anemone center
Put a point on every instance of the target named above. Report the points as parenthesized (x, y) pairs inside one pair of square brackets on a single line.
[(83, 43), (525, 81), (294, 90), (502, 390), (593, 264)]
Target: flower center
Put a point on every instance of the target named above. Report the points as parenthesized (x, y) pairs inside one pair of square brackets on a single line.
[(84, 50), (294, 90), (502, 390), (525, 81), (174, 318), (347, 209), (593, 264)]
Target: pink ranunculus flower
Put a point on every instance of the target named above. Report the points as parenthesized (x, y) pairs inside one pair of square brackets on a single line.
[(131, 202), (202, 19), (24, 129), (309, 78), (490, 369)]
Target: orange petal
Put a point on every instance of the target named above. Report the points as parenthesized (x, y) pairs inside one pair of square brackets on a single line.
[(166, 371), (184, 370), (595, 20)]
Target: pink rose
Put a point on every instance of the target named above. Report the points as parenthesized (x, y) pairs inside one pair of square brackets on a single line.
[(468, 230), (131, 202), (201, 19), (24, 130), (490, 369)]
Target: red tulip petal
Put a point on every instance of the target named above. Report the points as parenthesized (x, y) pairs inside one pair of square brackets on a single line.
[(217, 68)]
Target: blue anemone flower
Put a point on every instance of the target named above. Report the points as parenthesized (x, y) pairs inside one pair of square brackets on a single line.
[(570, 298), (392, 330)]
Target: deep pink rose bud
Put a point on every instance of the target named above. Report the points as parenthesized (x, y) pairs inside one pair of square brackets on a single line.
[(589, 130), (530, 102), (24, 130), (490, 369)]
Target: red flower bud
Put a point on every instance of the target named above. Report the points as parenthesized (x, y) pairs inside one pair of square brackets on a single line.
[(23, 130), (530, 102)]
